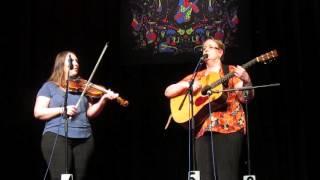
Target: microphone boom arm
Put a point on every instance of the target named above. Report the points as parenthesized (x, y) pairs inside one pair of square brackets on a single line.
[(244, 88)]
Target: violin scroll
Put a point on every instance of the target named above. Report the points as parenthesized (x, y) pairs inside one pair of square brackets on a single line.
[(122, 102)]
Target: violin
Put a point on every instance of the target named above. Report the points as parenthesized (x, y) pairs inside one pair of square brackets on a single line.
[(93, 90)]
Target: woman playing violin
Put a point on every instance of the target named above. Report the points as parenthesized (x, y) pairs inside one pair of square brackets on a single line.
[(49, 107)]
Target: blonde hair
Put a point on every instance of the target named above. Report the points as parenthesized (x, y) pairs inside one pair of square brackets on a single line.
[(58, 75), (220, 45), (218, 42)]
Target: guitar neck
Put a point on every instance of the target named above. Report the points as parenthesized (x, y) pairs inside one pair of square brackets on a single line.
[(231, 74)]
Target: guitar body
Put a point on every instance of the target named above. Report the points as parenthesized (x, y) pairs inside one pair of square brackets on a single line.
[(216, 100), (200, 103)]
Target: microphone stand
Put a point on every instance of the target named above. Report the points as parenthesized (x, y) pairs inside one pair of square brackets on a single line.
[(66, 176), (209, 91), (191, 129)]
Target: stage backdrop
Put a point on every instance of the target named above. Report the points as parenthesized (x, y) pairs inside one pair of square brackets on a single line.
[(180, 26)]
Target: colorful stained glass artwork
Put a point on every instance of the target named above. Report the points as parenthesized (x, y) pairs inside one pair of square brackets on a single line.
[(177, 26)]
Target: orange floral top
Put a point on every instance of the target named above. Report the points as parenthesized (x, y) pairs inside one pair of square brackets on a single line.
[(229, 121)]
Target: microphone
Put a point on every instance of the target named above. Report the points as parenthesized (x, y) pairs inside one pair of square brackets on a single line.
[(205, 56), (70, 62)]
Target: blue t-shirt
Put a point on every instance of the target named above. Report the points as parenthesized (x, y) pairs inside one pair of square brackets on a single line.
[(79, 126)]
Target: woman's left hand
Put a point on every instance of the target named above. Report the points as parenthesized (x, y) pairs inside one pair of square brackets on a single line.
[(110, 95), (242, 74)]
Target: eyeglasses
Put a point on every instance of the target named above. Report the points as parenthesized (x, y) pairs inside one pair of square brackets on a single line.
[(210, 48)]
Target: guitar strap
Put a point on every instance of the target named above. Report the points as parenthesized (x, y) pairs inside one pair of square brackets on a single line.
[(225, 70)]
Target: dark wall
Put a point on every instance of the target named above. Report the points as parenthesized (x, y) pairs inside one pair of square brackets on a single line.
[(131, 142)]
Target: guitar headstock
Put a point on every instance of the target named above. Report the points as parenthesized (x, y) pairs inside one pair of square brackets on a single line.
[(269, 56)]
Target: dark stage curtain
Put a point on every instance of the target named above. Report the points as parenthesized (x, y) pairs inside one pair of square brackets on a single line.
[(131, 143)]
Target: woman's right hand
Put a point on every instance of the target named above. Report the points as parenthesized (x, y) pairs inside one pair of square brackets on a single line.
[(196, 86), (180, 87), (71, 110)]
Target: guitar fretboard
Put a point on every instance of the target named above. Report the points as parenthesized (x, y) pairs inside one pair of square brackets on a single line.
[(263, 58), (231, 74)]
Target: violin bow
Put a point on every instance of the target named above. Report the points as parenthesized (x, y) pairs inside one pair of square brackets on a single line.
[(92, 73)]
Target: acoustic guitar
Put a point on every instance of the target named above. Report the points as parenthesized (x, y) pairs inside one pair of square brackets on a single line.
[(217, 100)]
